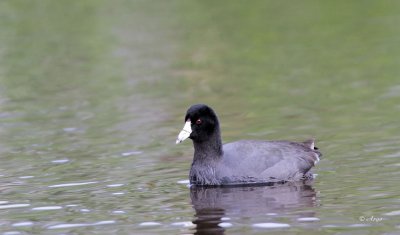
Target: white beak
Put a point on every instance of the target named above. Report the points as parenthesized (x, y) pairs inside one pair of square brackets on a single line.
[(185, 132)]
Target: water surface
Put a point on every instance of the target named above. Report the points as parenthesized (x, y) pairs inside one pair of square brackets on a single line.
[(93, 94)]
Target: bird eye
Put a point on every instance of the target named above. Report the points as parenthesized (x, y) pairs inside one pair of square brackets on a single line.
[(198, 122)]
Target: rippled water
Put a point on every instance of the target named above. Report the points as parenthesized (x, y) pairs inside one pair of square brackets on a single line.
[(93, 93)]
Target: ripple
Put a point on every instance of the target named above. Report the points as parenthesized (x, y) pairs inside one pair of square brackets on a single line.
[(118, 212), (118, 193), (346, 226), (26, 177), (149, 224), (358, 225), (392, 92), (271, 225), (12, 233), (392, 155), (114, 185), (308, 219), (22, 224), (126, 154), (70, 129), (271, 214), (14, 206), (185, 224), (183, 182), (60, 161), (378, 195), (46, 208), (72, 184), (393, 213), (225, 225), (61, 226), (330, 226)]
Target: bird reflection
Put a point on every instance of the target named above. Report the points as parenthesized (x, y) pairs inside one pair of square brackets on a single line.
[(212, 204)]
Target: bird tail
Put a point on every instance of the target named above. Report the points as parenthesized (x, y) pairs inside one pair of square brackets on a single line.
[(311, 144)]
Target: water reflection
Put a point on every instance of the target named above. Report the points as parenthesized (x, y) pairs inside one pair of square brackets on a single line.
[(215, 205)]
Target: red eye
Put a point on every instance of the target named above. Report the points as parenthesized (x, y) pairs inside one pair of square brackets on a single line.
[(198, 122)]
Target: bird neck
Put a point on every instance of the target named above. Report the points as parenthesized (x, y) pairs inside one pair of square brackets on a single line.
[(210, 149)]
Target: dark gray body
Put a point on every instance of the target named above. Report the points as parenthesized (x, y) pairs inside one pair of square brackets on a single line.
[(258, 162)]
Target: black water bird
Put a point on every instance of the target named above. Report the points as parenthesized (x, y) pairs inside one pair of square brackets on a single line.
[(245, 161)]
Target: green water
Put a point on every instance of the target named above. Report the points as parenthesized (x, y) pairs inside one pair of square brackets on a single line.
[(93, 95)]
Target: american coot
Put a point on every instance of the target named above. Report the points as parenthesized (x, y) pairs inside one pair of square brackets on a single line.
[(243, 161)]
